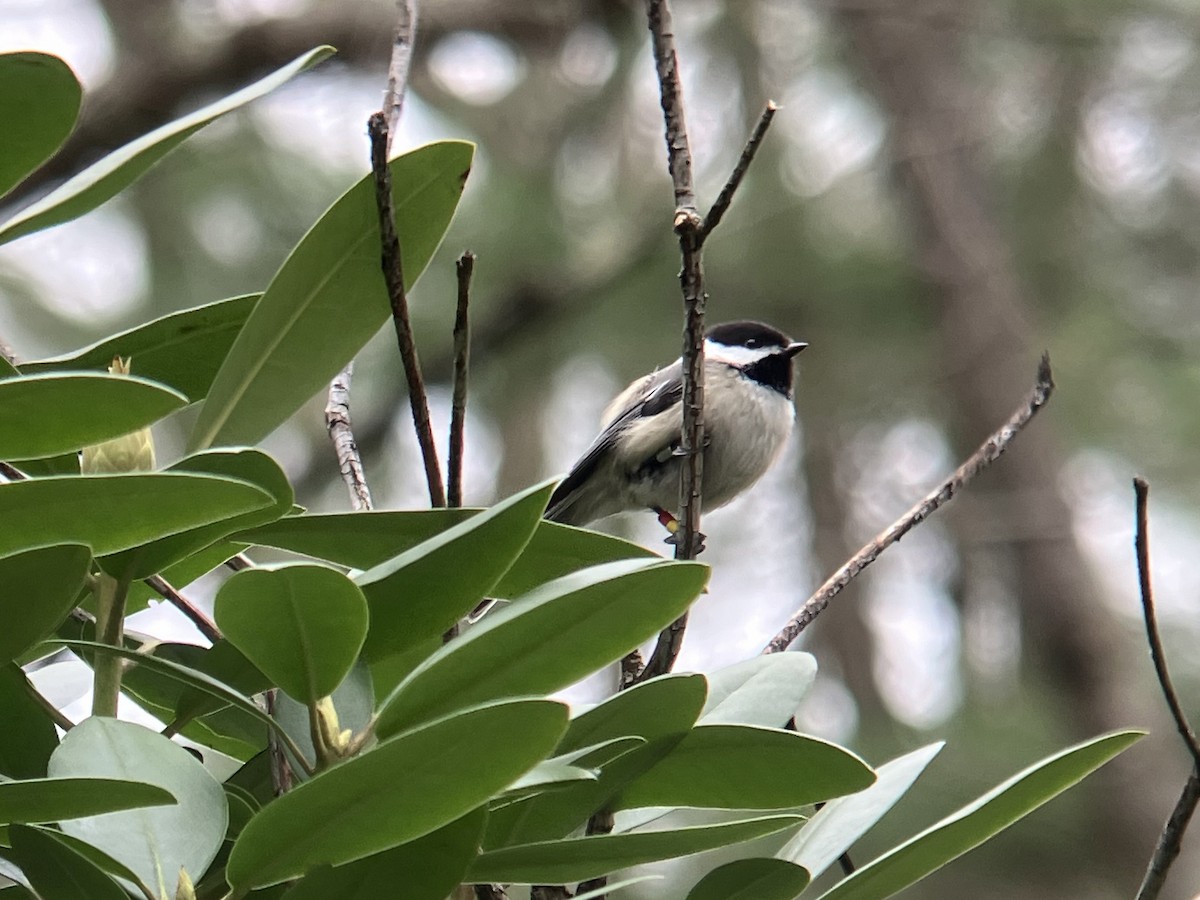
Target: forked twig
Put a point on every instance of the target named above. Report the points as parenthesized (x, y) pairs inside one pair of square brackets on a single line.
[(1171, 837), (988, 452)]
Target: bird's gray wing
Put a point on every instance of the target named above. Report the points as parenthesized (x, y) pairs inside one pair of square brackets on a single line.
[(660, 392)]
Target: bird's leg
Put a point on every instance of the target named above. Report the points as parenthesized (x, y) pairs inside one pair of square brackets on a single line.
[(668, 521)]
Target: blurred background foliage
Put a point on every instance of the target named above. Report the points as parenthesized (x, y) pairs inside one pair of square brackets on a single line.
[(951, 187)]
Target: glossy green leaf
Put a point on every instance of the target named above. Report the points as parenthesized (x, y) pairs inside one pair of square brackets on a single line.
[(179, 575), (366, 539), (752, 879), (116, 512), (182, 350), (426, 589), (108, 177), (96, 856), (191, 677), (977, 821), (403, 789), (764, 690), (428, 868), (28, 736), (302, 625), (39, 102), (62, 413), (572, 768), (745, 767), (64, 797), (40, 587), (57, 871), (154, 843), (841, 822), (228, 665), (249, 465), (329, 297), (658, 712), (574, 859), (552, 637)]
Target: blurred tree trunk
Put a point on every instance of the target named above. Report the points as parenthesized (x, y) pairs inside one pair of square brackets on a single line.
[(914, 55)]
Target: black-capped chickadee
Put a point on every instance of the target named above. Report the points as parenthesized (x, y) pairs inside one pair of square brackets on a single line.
[(636, 462)]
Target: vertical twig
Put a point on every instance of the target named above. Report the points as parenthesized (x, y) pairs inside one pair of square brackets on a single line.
[(337, 423), (393, 275), (462, 357), (1171, 838)]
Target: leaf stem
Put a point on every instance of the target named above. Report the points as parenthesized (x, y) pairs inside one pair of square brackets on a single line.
[(111, 594)]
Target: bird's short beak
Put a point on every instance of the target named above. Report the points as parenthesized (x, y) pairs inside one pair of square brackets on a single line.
[(793, 348)]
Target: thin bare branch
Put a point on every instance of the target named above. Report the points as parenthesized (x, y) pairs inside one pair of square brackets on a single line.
[(393, 274), (462, 358), (721, 204), (988, 452), (195, 615), (1171, 838), (341, 432), (403, 39)]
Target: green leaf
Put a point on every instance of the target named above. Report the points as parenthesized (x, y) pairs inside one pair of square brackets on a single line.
[(302, 625), (745, 767), (977, 821), (28, 736), (764, 690), (116, 512), (329, 298), (752, 879), (57, 798), (365, 539), (96, 856), (571, 768), (39, 102), (249, 465), (108, 177), (551, 638), (659, 712), (154, 843), (182, 350), (182, 674), (428, 868), (40, 587), (63, 413), (426, 589), (841, 822), (403, 789), (574, 859), (57, 871)]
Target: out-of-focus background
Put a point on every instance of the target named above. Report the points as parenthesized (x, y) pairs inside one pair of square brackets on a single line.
[(951, 187)]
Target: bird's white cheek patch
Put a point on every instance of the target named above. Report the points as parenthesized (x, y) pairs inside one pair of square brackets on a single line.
[(736, 356)]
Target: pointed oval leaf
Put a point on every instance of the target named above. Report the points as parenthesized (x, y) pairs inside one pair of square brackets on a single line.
[(551, 638), (39, 102), (426, 589), (363, 540), (95, 856), (977, 821), (403, 789), (182, 350), (745, 767), (428, 868), (54, 414), (560, 862), (40, 589), (28, 737), (57, 871), (246, 464), (760, 878), (664, 706), (116, 512), (154, 843), (108, 177), (55, 799), (329, 298), (303, 625), (841, 822), (764, 690)]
